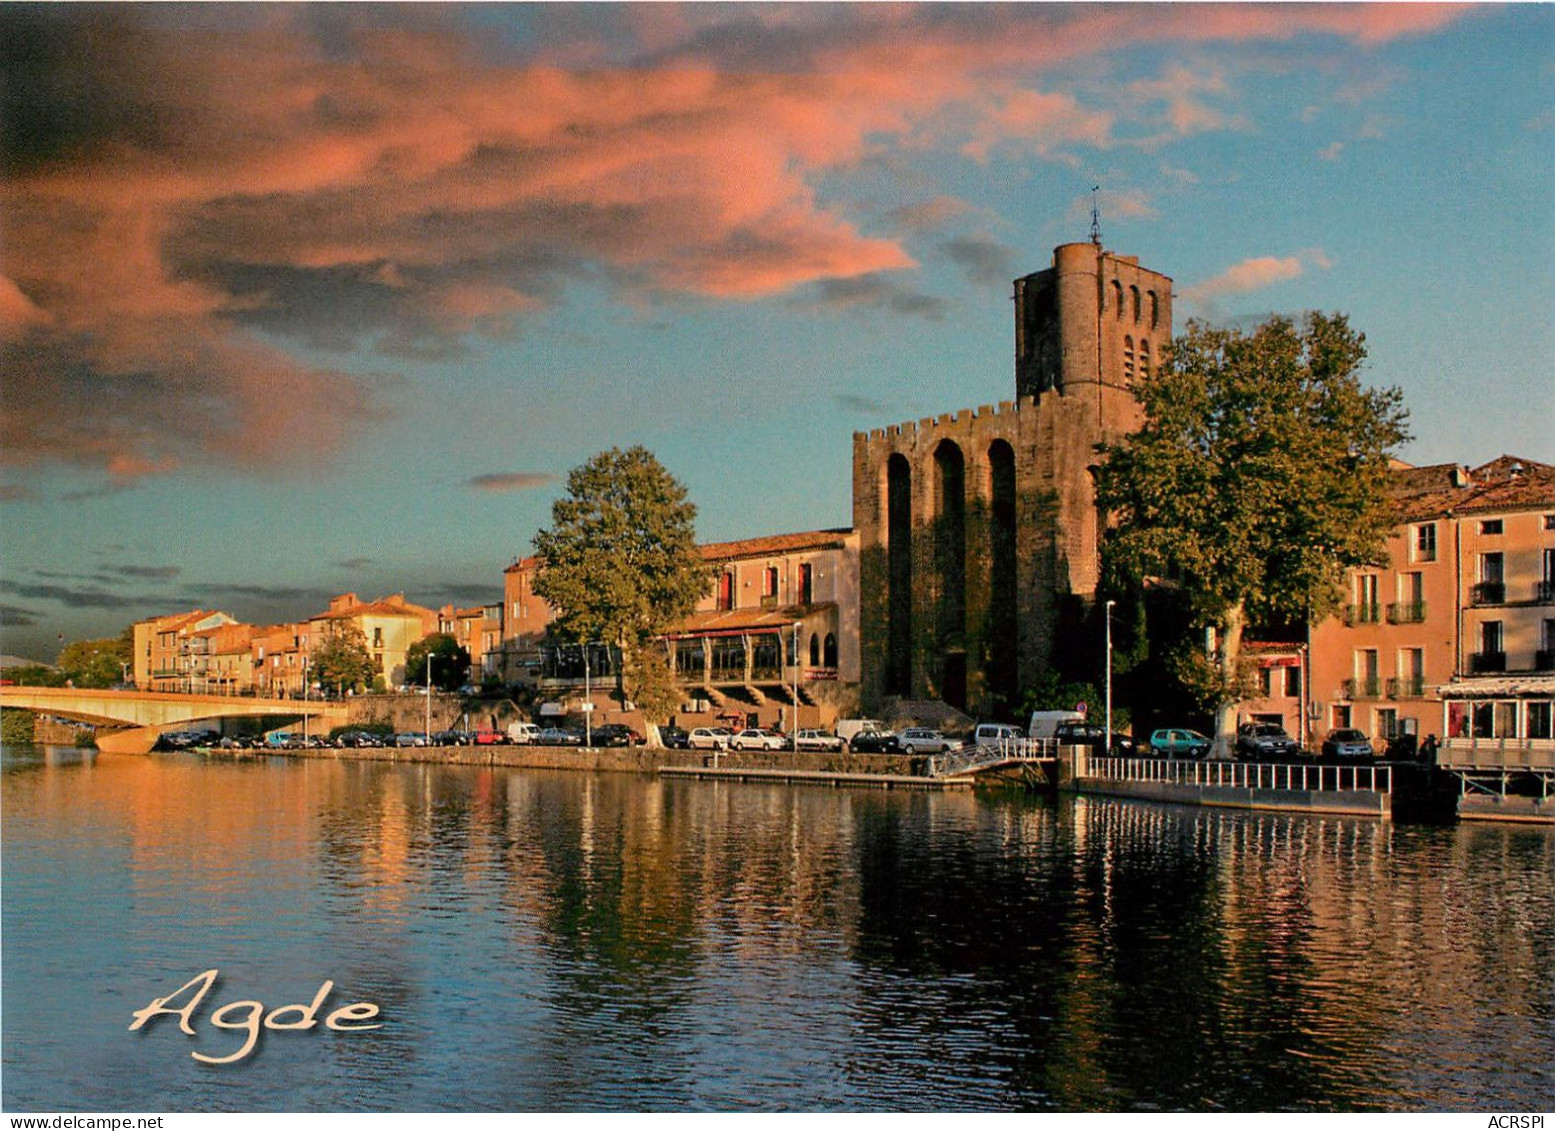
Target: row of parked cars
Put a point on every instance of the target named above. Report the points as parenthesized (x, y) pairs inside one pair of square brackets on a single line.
[(1264, 742), (1256, 742)]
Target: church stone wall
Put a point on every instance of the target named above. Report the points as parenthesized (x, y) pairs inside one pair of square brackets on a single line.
[(991, 582)]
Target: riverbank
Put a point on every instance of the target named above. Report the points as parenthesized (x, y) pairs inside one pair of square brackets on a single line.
[(629, 759)]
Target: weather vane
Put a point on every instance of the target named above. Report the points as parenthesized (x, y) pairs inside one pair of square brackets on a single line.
[(1095, 217)]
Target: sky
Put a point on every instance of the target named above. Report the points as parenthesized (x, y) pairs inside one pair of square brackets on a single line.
[(297, 300)]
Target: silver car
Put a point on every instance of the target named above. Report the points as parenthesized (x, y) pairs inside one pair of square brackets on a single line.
[(925, 740), (709, 738)]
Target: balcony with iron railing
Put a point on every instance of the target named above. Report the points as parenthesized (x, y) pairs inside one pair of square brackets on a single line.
[(1484, 663), (1488, 593), (1368, 688), (1544, 591), (1406, 612), (1362, 614), (1544, 660), (1406, 687)]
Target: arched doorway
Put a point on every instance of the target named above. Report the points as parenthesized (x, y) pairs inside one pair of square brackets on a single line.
[(950, 569), (1002, 676), (898, 668)]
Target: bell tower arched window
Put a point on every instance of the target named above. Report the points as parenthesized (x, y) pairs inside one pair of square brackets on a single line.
[(1128, 357)]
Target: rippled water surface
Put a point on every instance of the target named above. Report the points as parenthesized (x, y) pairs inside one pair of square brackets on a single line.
[(569, 942)]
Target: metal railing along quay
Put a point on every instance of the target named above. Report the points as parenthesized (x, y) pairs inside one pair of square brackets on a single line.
[(970, 759), (1245, 775)]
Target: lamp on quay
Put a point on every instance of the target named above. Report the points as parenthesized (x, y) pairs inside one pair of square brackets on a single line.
[(1106, 750), (795, 728)]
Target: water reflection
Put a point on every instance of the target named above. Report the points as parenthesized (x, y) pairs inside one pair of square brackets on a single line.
[(555, 941)]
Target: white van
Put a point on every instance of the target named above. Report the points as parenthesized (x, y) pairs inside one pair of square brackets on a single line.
[(995, 734), (1045, 724), (523, 734)]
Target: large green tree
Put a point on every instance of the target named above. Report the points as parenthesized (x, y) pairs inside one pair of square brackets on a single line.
[(342, 661), (449, 659), (619, 562), (98, 663), (1259, 475)]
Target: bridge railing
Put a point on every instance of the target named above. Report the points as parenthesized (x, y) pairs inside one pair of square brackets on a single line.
[(1246, 775), (972, 758)]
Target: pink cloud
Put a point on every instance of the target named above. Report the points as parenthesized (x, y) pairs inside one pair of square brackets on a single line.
[(1256, 274), (210, 182)]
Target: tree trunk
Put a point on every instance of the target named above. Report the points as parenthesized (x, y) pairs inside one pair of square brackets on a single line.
[(1230, 661)]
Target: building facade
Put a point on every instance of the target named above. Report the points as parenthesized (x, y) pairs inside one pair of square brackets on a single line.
[(1453, 634), (389, 625), (478, 630), (978, 530), (777, 625), (172, 653)]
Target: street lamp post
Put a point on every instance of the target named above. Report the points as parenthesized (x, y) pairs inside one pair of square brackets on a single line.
[(796, 688), (1107, 749), (588, 703), (428, 731)]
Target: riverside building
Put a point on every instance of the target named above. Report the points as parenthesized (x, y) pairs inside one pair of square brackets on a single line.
[(978, 530), (1453, 634)]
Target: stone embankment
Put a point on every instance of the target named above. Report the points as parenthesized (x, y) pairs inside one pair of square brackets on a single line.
[(634, 759)]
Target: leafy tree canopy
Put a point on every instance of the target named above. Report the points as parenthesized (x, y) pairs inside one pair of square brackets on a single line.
[(342, 662), (450, 662), (620, 561), (1261, 471), (1259, 475), (98, 663), (650, 683)]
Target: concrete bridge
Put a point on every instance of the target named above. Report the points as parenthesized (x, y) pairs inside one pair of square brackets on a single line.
[(146, 714)]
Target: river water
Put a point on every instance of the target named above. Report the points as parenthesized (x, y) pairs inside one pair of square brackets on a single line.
[(553, 941)]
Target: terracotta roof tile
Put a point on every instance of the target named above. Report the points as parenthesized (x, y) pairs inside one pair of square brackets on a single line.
[(776, 544), (1506, 483)]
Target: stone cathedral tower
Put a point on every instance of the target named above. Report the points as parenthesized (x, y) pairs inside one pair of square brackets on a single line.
[(978, 529)]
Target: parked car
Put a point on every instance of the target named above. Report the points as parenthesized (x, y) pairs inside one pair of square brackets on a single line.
[(755, 738), (1265, 742), (847, 728), (925, 740), (522, 734), (558, 736), (675, 738), (410, 738), (709, 738), (616, 734), (452, 738), (491, 738), (874, 742), (1347, 745), (1176, 742), (1094, 736), (818, 740), (995, 734)]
